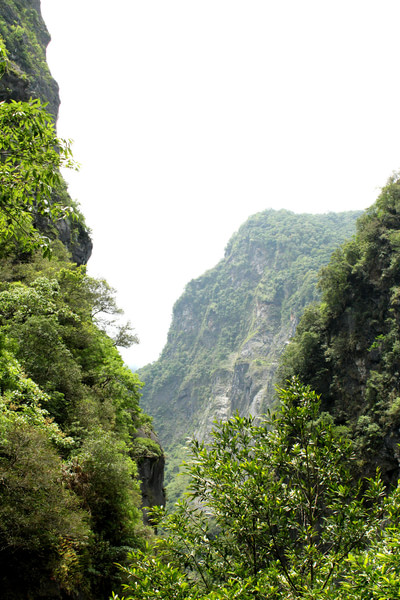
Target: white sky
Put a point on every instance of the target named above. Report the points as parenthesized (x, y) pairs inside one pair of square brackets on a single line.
[(188, 116)]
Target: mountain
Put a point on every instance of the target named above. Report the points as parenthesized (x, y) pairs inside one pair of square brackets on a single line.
[(348, 346), (231, 325)]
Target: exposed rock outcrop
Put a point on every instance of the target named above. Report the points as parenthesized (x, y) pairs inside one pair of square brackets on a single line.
[(151, 462), (73, 234)]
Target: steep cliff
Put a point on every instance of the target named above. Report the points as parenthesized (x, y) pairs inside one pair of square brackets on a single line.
[(26, 38), (348, 347), (231, 325), (26, 75)]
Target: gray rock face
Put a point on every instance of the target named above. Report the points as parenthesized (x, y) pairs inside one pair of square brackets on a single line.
[(151, 475), (77, 240), (73, 235), (151, 465), (231, 325), (13, 86)]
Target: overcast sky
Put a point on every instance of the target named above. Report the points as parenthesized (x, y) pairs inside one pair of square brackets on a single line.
[(189, 116)]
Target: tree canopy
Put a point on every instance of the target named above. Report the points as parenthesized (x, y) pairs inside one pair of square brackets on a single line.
[(273, 513)]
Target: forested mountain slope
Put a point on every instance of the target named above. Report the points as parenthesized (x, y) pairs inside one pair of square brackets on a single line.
[(231, 325), (348, 346), (73, 439)]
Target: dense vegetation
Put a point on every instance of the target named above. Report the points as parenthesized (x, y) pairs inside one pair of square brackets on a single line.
[(279, 517), (69, 408), (231, 325), (69, 506), (348, 346), (70, 502)]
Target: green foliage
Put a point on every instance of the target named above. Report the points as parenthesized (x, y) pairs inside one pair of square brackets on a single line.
[(4, 60), (37, 511), (35, 508), (71, 507), (348, 347), (375, 573), (52, 323), (110, 490), (31, 156), (274, 513), (88, 451), (94, 399), (146, 448)]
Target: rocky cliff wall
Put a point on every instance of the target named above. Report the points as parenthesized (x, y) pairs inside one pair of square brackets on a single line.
[(26, 38), (232, 324)]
